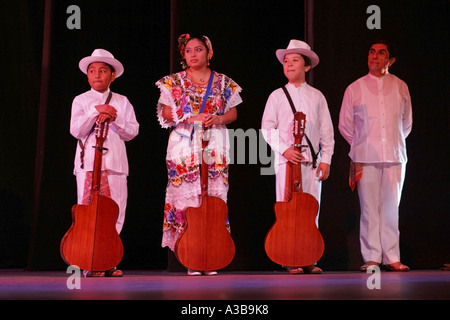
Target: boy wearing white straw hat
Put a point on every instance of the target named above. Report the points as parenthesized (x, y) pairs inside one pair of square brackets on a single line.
[(99, 104), (297, 59)]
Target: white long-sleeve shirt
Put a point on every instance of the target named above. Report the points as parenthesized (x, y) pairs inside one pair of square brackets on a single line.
[(376, 118), (124, 128), (278, 117)]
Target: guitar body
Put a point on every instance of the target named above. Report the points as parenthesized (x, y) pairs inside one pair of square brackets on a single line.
[(206, 244), (92, 242), (294, 239)]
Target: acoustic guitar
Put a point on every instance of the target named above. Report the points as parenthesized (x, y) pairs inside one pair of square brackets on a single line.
[(206, 244), (92, 242), (294, 239)]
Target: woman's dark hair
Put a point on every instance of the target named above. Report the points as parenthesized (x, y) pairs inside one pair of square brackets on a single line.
[(185, 38), (202, 39)]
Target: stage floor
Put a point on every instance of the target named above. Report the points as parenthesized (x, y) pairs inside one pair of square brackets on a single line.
[(161, 285)]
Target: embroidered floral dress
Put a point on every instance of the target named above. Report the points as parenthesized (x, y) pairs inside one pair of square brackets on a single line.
[(184, 152)]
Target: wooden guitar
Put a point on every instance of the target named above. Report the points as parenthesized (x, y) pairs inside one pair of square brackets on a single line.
[(92, 242), (206, 244), (294, 240)]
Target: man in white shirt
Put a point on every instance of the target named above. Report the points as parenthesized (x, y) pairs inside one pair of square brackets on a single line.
[(375, 119), (277, 123)]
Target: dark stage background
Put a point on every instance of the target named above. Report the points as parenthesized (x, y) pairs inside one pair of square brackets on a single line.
[(37, 188)]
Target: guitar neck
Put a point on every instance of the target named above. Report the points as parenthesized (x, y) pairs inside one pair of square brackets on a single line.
[(294, 171), (297, 171), (102, 131), (204, 171), (96, 174)]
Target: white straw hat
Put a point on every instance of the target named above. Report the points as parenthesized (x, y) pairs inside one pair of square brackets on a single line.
[(101, 55), (297, 46)]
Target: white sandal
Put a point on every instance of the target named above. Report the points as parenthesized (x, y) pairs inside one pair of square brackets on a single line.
[(193, 272)]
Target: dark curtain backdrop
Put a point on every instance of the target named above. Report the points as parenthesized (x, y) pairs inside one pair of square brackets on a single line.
[(20, 62), (245, 36)]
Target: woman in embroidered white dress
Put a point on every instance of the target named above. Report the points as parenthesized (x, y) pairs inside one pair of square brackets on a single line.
[(178, 108)]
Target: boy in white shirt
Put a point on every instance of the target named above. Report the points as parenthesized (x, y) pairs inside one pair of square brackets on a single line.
[(277, 121), (87, 109)]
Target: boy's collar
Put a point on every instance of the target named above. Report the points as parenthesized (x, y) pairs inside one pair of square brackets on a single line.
[(302, 85), (101, 93)]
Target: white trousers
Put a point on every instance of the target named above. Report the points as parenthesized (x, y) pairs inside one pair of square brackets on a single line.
[(379, 193), (119, 193)]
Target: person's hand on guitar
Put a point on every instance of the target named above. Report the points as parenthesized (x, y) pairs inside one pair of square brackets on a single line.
[(107, 112), (211, 120), (293, 155)]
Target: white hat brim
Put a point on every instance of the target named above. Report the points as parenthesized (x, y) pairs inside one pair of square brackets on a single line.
[(85, 62), (308, 53)]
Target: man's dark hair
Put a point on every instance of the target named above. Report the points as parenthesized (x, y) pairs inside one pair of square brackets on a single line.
[(390, 46)]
